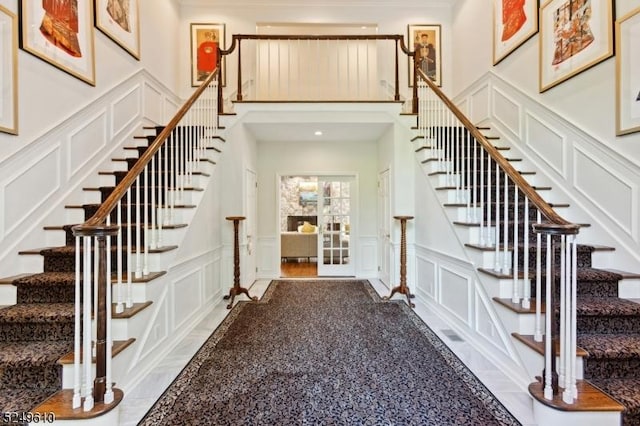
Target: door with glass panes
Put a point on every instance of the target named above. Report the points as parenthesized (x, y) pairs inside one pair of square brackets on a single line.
[(335, 209)]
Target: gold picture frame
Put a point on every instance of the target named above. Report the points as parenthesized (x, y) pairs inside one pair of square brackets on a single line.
[(9, 71), (425, 39), (575, 35), (120, 21), (206, 39), (628, 73), (514, 23), (60, 33)]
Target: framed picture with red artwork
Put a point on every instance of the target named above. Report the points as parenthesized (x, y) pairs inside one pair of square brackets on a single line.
[(514, 22), (206, 39)]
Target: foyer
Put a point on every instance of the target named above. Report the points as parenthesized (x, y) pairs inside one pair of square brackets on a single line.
[(77, 141)]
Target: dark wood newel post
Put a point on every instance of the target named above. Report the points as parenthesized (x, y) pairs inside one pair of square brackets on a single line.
[(220, 80), (403, 288), (415, 85), (100, 382), (397, 94), (236, 289), (239, 95)]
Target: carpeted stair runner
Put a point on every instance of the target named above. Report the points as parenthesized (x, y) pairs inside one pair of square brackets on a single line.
[(39, 329), (608, 326)]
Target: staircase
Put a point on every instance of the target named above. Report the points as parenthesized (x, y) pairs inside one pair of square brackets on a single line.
[(608, 326), (37, 333)]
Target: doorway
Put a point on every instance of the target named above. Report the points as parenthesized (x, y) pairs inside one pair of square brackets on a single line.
[(315, 219)]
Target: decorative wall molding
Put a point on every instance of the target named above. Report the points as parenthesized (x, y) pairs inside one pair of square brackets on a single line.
[(83, 143), (568, 159)]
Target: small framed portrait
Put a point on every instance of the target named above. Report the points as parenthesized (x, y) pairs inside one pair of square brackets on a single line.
[(206, 40), (514, 22), (574, 36), (8, 71), (628, 73), (424, 40), (119, 20), (60, 32)]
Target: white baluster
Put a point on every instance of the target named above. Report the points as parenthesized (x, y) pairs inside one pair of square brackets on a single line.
[(515, 295), (538, 322), (548, 389), (77, 379)]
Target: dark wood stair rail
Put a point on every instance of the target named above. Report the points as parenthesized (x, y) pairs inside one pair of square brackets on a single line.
[(96, 227), (554, 224), (237, 39)]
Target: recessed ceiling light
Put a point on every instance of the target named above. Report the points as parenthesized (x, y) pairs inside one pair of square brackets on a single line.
[(318, 133)]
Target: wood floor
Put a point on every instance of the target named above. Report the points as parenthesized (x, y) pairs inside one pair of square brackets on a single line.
[(292, 269)]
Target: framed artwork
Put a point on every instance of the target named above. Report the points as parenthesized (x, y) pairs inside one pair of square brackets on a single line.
[(574, 36), (8, 72), (205, 41), (60, 32), (119, 20), (425, 41), (628, 73), (514, 22)]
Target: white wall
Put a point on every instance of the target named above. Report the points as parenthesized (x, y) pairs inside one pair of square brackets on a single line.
[(48, 96), (291, 158), (586, 100), (390, 19)]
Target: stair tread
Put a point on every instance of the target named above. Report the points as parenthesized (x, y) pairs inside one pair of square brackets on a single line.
[(590, 398), (118, 347), (624, 390), (25, 353), (539, 347), (607, 307), (38, 313), (70, 250), (60, 403), (57, 278), (517, 307), (16, 400), (611, 346)]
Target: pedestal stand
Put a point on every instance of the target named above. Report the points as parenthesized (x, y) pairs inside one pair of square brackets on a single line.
[(402, 288), (236, 289)]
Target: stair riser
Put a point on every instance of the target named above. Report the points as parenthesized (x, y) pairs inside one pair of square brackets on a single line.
[(606, 368), (31, 376), (15, 332), (45, 294), (608, 325)]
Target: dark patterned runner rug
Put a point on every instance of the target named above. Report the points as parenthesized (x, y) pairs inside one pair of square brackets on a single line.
[(325, 353)]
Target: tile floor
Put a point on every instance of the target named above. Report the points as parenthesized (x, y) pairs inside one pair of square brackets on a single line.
[(138, 400)]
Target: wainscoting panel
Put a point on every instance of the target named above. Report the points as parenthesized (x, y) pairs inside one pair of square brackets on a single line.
[(507, 111), (456, 289), (463, 106), (153, 103), (486, 324), (211, 285), (550, 144), (367, 255), (479, 108), (158, 331), (186, 301), (126, 110), (427, 278), (86, 141), (18, 207), (268, 264), (607, 188)]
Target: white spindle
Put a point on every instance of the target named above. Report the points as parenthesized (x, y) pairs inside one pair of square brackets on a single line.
[(505, 224), (526, 294), (119, 296), (108, 393), (564, 307), (538, 322), (87, 329), (515, 296), (497, 222), (76, 330), (548, 389), (145, 222), (138, 225)]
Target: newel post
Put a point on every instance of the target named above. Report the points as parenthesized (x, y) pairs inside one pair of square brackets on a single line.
[(239, 95), (414, 108), (397, 83)]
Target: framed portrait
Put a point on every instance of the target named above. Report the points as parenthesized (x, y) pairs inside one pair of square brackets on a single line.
[(205, 41), (425, 41), (574, 36), (514, 22), (628, 73), (119, 20), (60, 32), (8, 71)]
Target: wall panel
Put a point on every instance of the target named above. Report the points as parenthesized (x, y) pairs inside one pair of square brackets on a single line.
[(547, 142), (126, 110), (186, 301), (86, 141), (507, 111), (455, 293)]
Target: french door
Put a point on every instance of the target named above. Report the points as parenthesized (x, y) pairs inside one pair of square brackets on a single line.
[(335, 230)]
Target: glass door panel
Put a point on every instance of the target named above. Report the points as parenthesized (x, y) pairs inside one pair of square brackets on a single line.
[(335, 250)]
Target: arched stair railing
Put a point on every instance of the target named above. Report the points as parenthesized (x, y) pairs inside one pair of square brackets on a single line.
[(530, 241)]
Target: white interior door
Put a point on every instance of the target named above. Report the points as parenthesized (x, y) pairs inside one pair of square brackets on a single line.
[(335, 226), (384, 228)]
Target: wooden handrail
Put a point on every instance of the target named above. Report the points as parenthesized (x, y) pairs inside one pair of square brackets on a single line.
[(545, 209), (96, 222)]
